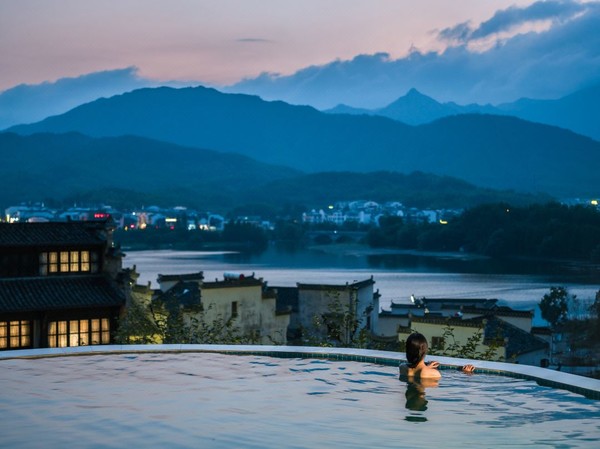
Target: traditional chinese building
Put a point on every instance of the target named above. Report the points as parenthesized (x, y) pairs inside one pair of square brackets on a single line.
[(245, 302), (58, 284)]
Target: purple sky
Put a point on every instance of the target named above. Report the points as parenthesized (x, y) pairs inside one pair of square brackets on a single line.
[(219, 41)]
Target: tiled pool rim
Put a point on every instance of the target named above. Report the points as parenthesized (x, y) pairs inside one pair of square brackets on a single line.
[(547, 377)]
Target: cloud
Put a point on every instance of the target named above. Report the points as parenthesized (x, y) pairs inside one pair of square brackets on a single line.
[(505, 20), (549, 63), (29, 103), (457, 33), (254, 40)]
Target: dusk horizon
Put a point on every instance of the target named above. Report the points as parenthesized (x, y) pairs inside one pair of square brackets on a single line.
[(365, 54)]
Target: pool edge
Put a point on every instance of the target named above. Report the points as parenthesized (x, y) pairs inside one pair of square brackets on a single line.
[(585, 386)]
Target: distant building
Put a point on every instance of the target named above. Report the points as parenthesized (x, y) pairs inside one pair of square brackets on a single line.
[(59, 284), (501, 332), (328, 303), (246, 300)]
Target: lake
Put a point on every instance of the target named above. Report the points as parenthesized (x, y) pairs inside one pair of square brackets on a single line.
[(397, 275)]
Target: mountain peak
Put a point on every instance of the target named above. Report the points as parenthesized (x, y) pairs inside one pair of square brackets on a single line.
[(415, 108), (414, 93)]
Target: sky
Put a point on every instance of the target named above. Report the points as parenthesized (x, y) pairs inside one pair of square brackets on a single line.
[(269, 47)]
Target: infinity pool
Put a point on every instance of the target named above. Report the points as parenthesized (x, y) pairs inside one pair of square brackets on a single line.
[(212, 400)]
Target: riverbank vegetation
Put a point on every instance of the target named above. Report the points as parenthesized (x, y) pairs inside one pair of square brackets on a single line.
[(549, 231), (575, 327)]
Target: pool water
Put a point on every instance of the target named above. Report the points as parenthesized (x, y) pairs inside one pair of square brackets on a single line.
[(208, 400)]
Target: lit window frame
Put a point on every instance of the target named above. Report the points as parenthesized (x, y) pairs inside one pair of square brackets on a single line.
[(79, 332), (68, 261), (15, 334)]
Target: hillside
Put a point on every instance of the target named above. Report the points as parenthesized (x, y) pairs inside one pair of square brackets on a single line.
[(132, 171), (578, 112), (490, 151), (118, 170)]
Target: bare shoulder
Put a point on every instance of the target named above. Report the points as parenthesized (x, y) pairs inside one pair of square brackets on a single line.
[(430, 373)]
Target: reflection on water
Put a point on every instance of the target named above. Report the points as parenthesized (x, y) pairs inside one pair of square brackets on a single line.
[(415, 397), (397, 276), (412, 261)]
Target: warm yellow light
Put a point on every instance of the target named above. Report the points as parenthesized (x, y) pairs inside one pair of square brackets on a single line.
[(443, 221), (330, 207), (594, 202)]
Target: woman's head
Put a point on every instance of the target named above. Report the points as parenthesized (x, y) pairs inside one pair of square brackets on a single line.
[(416, 348)]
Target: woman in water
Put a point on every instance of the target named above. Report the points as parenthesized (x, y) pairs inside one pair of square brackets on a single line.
[(415, 368)]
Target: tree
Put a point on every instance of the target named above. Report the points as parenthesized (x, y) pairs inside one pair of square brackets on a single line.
[(138, 326), (555, 305), (453, 348), (595, 310)]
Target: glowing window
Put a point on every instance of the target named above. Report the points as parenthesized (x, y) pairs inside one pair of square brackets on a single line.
[(64, 261), (15, 334), (74, 260), (85, 261), (68, 262), (53, 262), (79, 332)]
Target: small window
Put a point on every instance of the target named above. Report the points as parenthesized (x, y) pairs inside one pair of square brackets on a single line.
[(74, 260), (85, 261), (53, 262), (84, 332), (437, 343), (74, 333), (64, 261), (234, 309)]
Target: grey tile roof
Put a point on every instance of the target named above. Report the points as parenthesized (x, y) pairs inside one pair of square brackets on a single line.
[(231, 283), (183, 295), (354, 286), (58, 293), (519, 341), (181, 277), (50, 234)]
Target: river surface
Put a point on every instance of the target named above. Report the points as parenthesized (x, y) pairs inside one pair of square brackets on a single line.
[(397, 276)]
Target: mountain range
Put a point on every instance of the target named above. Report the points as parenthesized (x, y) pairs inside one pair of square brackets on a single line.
[(579, 111), (498, 152)]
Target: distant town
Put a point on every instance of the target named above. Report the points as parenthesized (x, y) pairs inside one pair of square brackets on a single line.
[(362, 212)]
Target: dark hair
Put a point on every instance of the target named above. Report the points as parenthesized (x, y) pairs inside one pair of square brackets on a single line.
[(416, 348)]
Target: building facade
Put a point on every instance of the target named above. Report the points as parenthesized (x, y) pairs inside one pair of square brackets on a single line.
[(472, 328), (243, 302), (319, 310), (58, 284)]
